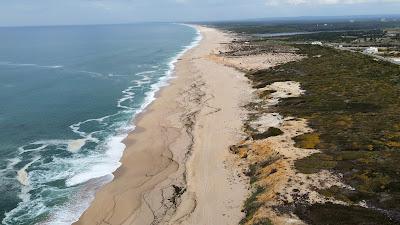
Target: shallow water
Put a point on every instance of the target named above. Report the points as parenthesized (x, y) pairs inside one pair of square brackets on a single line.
[(68, 95)]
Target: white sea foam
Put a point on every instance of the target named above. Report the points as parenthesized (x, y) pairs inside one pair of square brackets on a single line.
[(116, 75), (76, 145), (51, 142), (89, 72), (76, 127), (109, 165), (23, 179), (13, 162), (72, 145), (23, 149), (36, 208), (128, 95), (146, 72), (70, 212), (24, 195), (55, 67), (30, 65)]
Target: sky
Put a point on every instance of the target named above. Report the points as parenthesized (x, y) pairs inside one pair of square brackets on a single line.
[(56, 12)]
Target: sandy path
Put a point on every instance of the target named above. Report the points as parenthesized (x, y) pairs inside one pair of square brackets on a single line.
[(177, 168)]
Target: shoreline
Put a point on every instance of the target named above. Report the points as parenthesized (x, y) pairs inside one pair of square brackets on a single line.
[(97, 183), (158, 182)]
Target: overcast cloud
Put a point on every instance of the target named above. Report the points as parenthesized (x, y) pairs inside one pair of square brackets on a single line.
[(49, 12)]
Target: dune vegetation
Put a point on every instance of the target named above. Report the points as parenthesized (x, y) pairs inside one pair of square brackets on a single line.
[(352, 104)]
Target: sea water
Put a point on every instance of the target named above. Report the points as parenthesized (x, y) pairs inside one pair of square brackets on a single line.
[(68, 97)]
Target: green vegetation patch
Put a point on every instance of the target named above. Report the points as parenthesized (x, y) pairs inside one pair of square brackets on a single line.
[(331, 214), (307, 141), (315, 163), (271, 132)]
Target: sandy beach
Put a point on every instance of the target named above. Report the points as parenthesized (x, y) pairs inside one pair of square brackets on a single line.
[(177, 168)]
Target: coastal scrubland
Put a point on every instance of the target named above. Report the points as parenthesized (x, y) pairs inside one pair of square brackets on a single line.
[(345, 166), (352, 104)]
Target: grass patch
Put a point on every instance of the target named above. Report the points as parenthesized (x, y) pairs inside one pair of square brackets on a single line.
[(307, 141), (315, 163), (254, 169), (263, 221), (251, 205)]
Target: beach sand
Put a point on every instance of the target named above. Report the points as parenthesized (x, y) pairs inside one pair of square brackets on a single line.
[(177, 168)]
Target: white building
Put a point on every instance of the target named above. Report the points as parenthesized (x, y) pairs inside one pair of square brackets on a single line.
[(316, 43), (371, 50)]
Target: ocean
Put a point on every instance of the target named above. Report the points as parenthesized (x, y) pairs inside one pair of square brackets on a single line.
[(68, 97)]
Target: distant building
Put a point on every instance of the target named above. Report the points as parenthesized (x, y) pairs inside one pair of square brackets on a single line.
[(316, 43), (371, 50)]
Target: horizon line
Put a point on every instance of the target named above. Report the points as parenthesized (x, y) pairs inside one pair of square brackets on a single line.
[(272, 19)]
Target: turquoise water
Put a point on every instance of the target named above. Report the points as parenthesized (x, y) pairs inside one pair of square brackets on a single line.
[(68, 95)]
